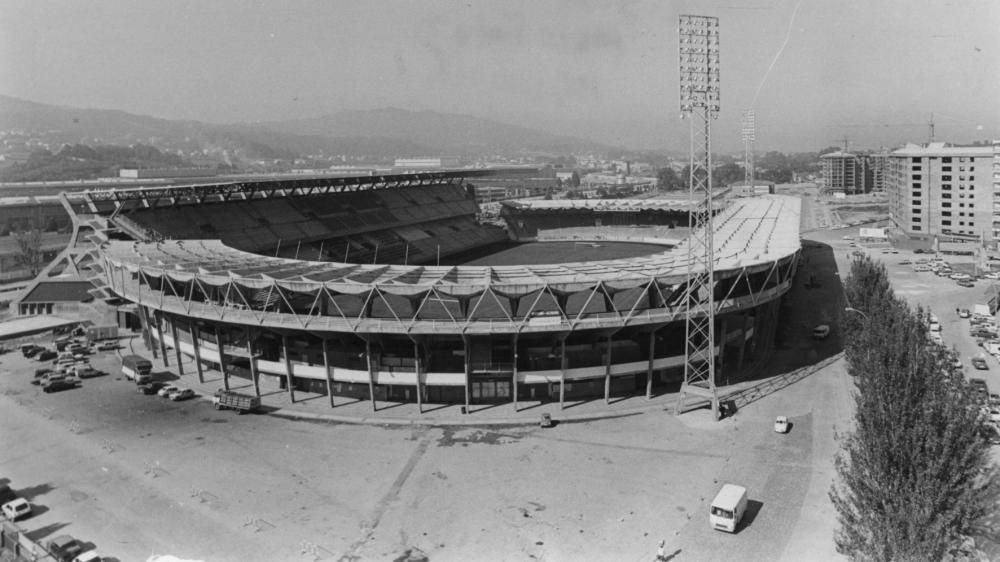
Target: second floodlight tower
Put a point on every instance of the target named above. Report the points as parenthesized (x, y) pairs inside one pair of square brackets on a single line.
[(699, 97)]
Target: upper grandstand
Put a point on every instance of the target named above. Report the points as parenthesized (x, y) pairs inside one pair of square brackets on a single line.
[(412, 218)]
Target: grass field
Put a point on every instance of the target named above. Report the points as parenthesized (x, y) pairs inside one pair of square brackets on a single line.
[(537, 253)]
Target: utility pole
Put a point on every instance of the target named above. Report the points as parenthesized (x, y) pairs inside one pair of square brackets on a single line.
[(699, 101)]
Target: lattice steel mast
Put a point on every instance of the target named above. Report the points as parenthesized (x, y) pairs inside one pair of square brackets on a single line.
[(699, 98), (749, 136)]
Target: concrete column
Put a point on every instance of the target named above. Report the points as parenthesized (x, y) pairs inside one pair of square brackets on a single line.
[(564, 364), (607, 373), (288, 368), (514, 372), (254, 373), (195, 336), (147, 336), (222, 359), (649, 369), (416, 372), (468, 370), (177, 345), (326, 370), (743, 341), (159, 336), (722, 349), (371, 374)]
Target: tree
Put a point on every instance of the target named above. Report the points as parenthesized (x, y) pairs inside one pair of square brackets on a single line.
[(916, 480), (29, 249), (668, 180), (727, 174)]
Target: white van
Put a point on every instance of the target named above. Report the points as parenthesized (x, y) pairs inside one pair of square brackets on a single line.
[(728, 508)]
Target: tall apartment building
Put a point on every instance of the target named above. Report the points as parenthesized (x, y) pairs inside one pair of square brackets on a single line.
[(938, 189), (846, 172)]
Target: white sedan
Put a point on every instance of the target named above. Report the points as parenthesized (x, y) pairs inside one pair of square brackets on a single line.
[(16, 509), (781, 424), (168, 390)]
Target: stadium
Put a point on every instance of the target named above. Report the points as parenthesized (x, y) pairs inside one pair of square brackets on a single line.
[(343, 287)]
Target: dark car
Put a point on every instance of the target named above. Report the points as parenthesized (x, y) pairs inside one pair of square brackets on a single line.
[(32, 350), (149, 387), (55, 385), (966, 283), (980, 363), (985, 334), (46, 355), (40, 374), (64, 548)]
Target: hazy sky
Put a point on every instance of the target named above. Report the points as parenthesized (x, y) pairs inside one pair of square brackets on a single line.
[(871, 70)]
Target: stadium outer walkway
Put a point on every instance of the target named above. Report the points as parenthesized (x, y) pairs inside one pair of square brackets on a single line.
[(316, 407)]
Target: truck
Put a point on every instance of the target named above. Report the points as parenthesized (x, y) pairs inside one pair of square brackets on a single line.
[(981, 310), (98, 333), (229, 400), (728, 508), (137, 368)]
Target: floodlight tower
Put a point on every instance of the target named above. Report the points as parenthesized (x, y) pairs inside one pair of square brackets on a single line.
[(749, 134), (699, 97)]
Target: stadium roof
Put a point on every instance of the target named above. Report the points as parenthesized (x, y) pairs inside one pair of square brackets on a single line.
[(749, 232), (603, 205)]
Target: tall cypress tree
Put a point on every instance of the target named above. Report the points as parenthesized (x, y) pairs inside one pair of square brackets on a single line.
[(915, 475)]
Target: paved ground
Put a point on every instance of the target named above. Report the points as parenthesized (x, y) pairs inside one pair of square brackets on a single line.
[(138, 474)]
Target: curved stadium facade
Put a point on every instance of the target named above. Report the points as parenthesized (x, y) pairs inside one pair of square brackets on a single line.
[(331, 286)]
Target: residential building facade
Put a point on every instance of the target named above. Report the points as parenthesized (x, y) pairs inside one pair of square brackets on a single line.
[(943, 190)]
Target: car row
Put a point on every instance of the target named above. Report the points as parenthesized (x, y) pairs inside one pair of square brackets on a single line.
[(168, 391)]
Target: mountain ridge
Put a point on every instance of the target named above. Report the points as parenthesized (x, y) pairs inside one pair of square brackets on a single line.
[(385, 132)]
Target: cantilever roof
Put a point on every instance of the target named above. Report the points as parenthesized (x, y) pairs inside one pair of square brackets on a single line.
[(749, 232), (603, 205)]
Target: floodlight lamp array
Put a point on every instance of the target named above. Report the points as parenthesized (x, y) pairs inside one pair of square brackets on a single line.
[(749, 125), (699, 63)]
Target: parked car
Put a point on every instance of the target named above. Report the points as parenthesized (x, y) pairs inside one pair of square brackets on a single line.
[(40, 374), (65, 548), (46, 355), (821, 332), (107, 345), (980, 364), (905, 262), (966, 284), (963, 313), (181, 394), (167, 389), (89, 556), (149, 387), (16, 509), (781, 424), (86, 372), (31, 350), (959, 277)]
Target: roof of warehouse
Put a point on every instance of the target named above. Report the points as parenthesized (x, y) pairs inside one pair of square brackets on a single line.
[(750, 231), (59, 291)]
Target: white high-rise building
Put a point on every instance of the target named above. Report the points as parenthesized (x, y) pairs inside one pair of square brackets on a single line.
[(939, 189)]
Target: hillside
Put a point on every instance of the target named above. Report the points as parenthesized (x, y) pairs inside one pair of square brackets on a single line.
[(385, 133), (447, 132)]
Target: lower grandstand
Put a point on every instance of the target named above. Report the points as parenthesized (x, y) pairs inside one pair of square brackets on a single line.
[(338, 291)]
